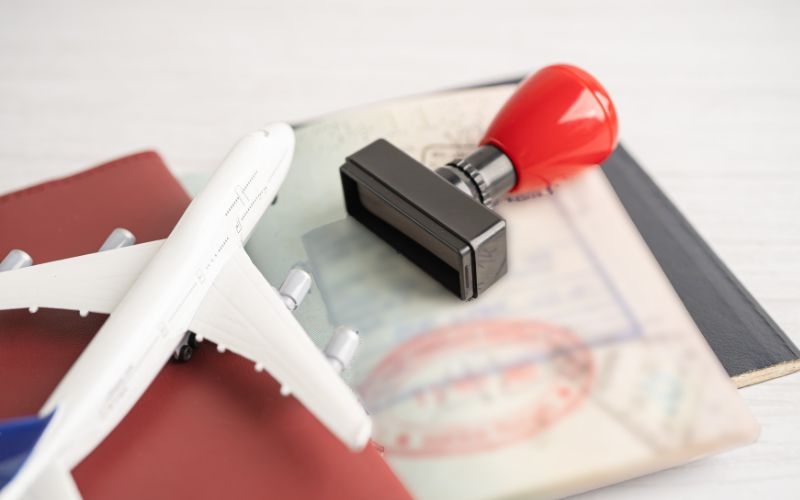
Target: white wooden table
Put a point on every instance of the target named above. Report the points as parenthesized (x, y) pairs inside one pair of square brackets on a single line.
[(708, 95)]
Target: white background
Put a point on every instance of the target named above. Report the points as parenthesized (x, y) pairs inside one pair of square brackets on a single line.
[(708, 95)]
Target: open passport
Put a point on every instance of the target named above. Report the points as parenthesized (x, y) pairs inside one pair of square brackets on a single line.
[(578, 369)]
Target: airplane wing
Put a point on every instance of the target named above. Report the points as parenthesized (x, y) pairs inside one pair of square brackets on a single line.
[(244, 314), (55, 482), (241, 312), (94, 282)]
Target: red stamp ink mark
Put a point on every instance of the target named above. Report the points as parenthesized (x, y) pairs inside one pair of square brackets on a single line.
[(476, 386)]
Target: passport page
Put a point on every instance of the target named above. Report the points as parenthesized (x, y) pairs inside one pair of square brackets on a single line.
[(579, 368)]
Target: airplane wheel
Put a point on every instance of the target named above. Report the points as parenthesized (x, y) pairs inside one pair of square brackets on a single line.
[(184, 354), (192, 341)]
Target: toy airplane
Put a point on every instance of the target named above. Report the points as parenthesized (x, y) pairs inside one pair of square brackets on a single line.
[(199, 280)]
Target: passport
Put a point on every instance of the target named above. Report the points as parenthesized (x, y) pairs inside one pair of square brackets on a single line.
[(578, 369), (212, 427), (209, 428)]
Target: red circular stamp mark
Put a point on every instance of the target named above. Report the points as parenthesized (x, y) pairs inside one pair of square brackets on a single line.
[(476, 386)]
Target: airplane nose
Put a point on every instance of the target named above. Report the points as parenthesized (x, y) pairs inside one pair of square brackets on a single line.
[(281, 132)]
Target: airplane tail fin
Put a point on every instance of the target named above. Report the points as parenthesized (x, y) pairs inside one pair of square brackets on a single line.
[(18, 437)]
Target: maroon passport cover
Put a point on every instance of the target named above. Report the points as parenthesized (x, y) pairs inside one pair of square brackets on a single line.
[(210, 428)]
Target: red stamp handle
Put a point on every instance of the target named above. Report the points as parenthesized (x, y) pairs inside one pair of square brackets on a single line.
[(558, 122)]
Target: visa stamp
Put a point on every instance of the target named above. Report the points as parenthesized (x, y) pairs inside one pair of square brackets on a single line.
[(476, 386)]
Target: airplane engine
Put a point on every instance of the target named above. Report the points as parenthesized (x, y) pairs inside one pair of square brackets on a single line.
[(341, 348), (16, 259), (295, 288)]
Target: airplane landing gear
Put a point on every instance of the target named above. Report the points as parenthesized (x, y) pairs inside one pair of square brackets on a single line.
[(185, 349)]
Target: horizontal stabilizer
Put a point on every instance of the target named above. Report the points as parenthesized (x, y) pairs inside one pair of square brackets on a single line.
[(18, 436)]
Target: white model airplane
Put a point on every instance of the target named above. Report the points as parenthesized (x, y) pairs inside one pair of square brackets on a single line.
[(199, 279)]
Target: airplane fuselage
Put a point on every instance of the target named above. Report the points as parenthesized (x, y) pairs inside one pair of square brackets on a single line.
[(151, 320)]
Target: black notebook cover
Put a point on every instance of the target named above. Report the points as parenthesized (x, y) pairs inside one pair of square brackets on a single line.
[(751, 347)]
